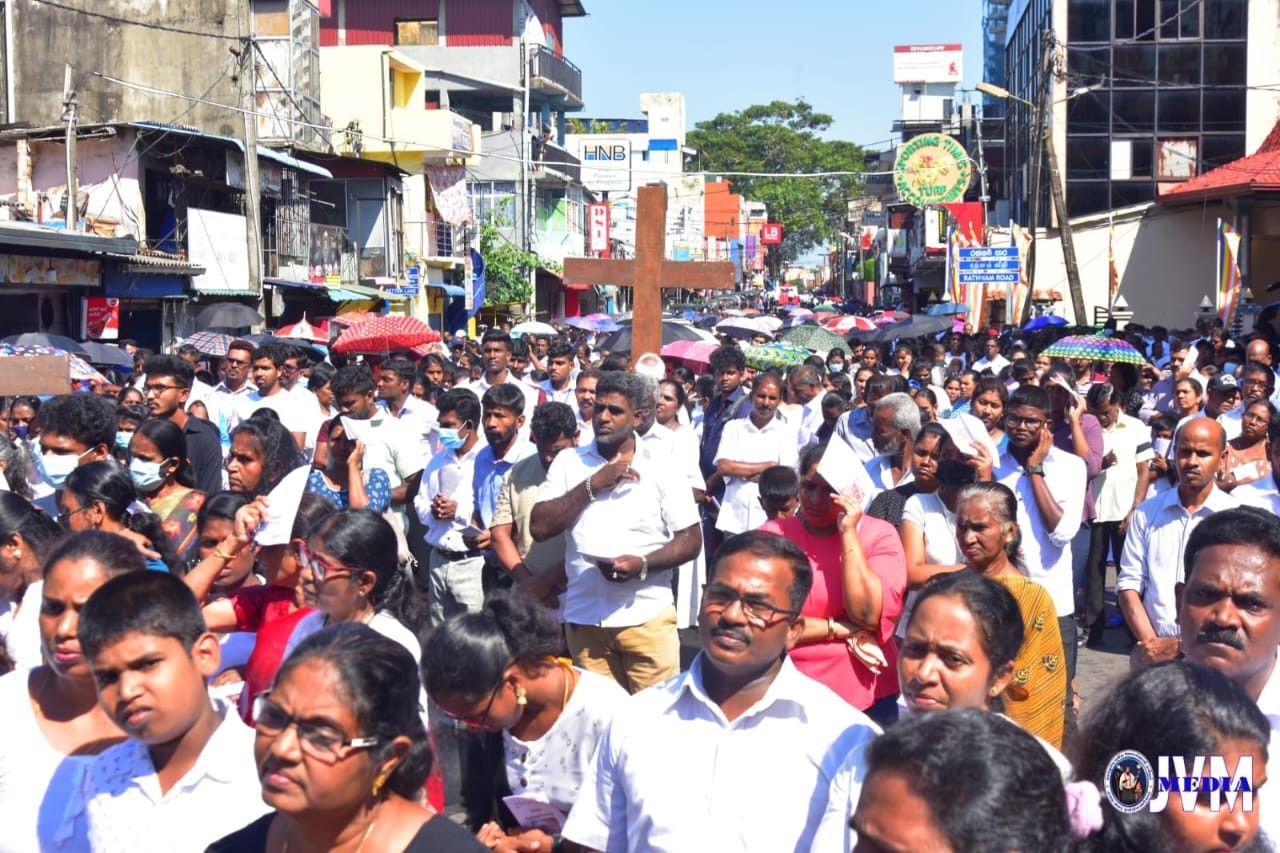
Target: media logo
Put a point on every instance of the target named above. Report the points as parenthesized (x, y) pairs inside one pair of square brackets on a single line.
[(1129, 781), (1132, 785)]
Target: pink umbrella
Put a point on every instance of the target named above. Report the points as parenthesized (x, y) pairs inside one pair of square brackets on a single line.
[(849, 323), (695, 354), (890, 317)]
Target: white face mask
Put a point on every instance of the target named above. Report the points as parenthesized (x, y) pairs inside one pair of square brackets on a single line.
[(56, 467), (147, 476)]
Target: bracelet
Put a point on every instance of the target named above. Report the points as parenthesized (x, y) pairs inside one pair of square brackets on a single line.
[(217, 552), (831, 628), (591, 495), (644, 567)]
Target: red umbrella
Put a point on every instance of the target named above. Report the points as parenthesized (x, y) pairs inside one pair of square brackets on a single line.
[(319, 333), (382, 334), (850, 323), (695, 354), (353, 317)]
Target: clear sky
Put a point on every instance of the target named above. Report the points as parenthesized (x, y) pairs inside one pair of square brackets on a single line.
[(837, 54)]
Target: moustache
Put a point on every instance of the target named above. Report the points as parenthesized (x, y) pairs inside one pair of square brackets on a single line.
[(1226, 636), (739, 634)]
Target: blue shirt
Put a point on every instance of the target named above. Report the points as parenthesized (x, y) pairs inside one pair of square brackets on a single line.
[(490, 472), (719, 412)]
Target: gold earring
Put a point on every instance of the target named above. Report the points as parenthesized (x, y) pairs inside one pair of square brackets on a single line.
[(377, 785), (522, 697)]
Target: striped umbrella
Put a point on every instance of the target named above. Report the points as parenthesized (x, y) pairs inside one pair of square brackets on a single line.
[(849, 323)]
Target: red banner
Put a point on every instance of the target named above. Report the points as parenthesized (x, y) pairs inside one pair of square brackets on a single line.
[(101, 318)]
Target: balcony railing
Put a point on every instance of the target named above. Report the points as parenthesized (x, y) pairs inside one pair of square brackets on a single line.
[(437, 239), (303, 251), (548, 71)]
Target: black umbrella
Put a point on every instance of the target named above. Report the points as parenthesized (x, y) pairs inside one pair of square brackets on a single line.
[(45, 339), (620, 341), (227, 315), (313, 352), (108, 354), (916, 327)]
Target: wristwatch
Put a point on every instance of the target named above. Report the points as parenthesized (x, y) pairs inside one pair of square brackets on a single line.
[(644, 567), (1030, 470)]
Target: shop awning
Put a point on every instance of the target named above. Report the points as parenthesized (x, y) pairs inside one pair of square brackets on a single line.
[(576, 286), (284, 282), (449, 289), (351, 292), (156, 265)]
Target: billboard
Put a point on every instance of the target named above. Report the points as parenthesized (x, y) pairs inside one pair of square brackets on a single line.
[(928, 63), (606, 163)]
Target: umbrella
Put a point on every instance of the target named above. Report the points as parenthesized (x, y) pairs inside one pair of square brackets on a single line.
[(620, 341), (780, 354), (826, 306), (315, 352), (798, 321), (210, 343), (890, 317), (108, 354), (43, 339), (353, 317), (305, 331), (798, 310), (744, 327), (227, 315), (848, 323), (1094, 348), (814, 338), (695, 354), (1044, 321), (772, 322), (382, 334), (80, 373), (914, 328), (533, 327), (594, 323), (946, 309)]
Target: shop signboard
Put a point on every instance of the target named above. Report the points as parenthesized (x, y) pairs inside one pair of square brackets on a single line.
[(932, 168)]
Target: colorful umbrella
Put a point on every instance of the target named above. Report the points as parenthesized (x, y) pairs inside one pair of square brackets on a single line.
[(1095, 348), (694, 354), (825, 306), (780, 354), (210, 343), (799, 321), (814, 338), (383, 334), (798, 310), (848, 323), (947, 309), (305, 331), (81, 374)]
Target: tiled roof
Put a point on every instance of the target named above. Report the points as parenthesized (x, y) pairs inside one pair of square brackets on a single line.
[(1257, 172)]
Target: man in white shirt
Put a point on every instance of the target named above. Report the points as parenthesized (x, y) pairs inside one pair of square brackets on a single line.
[(1229, 614), (418, 417), (388, 444), (854, 427), (629, 518), (495, 355), (232, 395), (584, 405), (1050, 486), (558, 387), (200, 391), (992, 359), (445, 505), (894, 424), (742, 698), (1157, 537), (805, 386), (268, 363)]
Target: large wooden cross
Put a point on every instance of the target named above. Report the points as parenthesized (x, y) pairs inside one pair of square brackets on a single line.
[(649, 272)]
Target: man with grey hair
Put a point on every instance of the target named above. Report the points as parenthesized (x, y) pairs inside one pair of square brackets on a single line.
[(630, 518), (804, 387), (893, 434)]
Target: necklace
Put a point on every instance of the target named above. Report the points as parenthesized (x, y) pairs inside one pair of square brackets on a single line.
[(284, 848)]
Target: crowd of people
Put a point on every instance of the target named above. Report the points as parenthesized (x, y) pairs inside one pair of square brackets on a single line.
[(433, 599)]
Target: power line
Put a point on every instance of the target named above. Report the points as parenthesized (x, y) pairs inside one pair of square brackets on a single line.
[(116, 19)]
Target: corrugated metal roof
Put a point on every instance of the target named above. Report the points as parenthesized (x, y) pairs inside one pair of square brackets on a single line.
[(263, 152)]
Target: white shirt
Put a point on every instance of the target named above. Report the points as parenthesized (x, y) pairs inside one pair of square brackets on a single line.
[(120, 807), (930, 514), (1113, 489), (419, 419), (35, 779), (568, 395), (1261, 494), (636, 517), (1232, 421), (287, 406), (1047, 553), (880, 470), (1153, 547), (673, 775), (23, 636), (232, 407), (741, 441), (854, 427), (532, 394), (450, 475), (995, 365)]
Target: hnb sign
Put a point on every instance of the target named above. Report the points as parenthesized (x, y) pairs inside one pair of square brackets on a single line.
[(606, 163), (1133, 785)]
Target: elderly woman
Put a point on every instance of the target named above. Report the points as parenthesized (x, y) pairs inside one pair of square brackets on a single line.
[(343, 753)]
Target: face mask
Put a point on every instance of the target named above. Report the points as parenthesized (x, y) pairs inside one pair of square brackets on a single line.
[(123, 438), (835, 367), (450, 438), (20, 431), (147, 476), (55, 468), (952, 472)]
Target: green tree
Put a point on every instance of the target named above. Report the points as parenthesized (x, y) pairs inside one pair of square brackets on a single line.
[(507, 267), (784, 138)]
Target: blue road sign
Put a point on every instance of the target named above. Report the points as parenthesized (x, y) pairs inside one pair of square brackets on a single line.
[(412, 273), (988, 265), (976, 253), (411, 290)]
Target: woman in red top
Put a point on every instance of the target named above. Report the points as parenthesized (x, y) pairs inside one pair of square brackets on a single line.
[(859, 575)]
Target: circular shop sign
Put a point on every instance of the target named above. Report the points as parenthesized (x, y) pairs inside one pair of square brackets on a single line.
[(932, 168)]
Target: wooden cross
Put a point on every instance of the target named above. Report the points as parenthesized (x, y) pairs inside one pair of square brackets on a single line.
[(649, 272)]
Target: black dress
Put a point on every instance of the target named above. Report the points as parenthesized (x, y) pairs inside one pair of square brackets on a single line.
[(437, 835)]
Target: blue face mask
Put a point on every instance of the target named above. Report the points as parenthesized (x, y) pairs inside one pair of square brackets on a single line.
[(55, 468), (20, 430), (147, 476), (450, 438), (123, 438), (835, 367)]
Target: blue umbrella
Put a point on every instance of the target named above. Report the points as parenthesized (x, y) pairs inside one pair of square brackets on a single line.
[(1043, 322), (947, 309)]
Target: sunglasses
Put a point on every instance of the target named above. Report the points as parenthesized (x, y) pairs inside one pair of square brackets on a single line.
[(477, 722)]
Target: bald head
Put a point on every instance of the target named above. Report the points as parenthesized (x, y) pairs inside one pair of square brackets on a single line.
[(1260, 351), (1205, 430)]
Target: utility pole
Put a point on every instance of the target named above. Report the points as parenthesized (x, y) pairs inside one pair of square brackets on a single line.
[(1040, 132), (252, 187), (1064, 233), (69, 105)]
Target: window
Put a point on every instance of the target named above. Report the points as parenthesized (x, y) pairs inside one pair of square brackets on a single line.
[(1089, 113), (1178, 110), (1225, 19), (1089, 20), (1085, 197), (1135, 65), (417, 32), (1134, 111), (1225, 65), (1180, 64), (1088, 157), (1132, 192), (1218, 150), (1224, 110)]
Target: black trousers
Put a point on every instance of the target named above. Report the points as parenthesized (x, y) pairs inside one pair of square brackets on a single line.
[(1105, 538)]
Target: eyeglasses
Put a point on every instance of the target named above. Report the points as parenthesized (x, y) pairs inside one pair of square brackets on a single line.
[(758, 611), (64, 517), (236, 362), (158, 388), (320, 570), (1015, 421), (478, 722), (318, 740)]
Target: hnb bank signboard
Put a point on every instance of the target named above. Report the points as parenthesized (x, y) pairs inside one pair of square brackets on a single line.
[(606, 163)]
